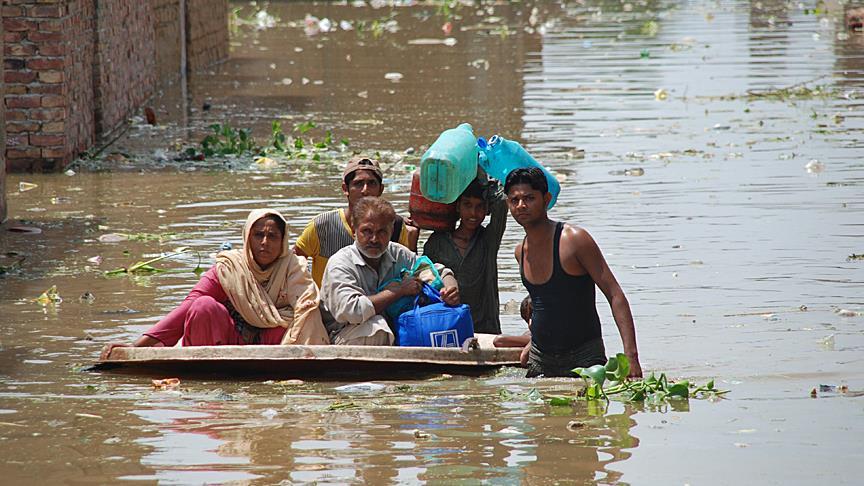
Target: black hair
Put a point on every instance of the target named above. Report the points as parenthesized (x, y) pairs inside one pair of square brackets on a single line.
[(474, 189), (526, 308), (533, 176), (280, 223)]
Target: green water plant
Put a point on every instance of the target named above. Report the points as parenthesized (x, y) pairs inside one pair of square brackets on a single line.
[(614, 375), (147, 268)]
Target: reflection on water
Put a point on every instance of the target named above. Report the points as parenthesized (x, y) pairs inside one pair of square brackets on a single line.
[(733, 254)]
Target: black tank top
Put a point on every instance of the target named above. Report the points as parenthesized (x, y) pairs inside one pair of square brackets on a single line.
[(565, 312)]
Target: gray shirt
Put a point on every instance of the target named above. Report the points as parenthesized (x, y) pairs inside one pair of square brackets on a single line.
[(349, 280), (477, 270)]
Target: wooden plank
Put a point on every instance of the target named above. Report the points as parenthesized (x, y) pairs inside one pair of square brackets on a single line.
[(228, 361)]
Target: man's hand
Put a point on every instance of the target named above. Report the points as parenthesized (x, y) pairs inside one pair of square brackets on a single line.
[(450, 296), (106, 351), (523, 357), (409, 287)]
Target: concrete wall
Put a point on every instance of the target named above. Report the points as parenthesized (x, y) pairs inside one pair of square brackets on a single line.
[(77, 69)]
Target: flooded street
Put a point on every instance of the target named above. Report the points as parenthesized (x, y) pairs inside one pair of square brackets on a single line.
[(713, 150)]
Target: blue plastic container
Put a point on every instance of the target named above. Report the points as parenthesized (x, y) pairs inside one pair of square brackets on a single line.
[(449, 165), (499, 156)]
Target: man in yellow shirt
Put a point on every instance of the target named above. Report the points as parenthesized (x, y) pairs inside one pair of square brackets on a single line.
[(331, 231)]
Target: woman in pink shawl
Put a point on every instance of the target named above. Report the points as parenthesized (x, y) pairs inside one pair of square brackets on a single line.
[(262, 294)]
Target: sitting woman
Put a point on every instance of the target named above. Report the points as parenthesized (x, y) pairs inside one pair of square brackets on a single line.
[(471, 251), (262, 294)]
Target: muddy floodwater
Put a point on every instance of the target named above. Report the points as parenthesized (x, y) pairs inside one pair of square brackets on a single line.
[(715, 150)]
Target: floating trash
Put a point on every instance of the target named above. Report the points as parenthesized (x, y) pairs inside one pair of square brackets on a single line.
[(395, 77), (269, 414), (846, 313), (634, 172), (26, 186), (87, 298), (49, 297), (814, 166), (113, 238), (661, 95), (166, 383), (366, 387)]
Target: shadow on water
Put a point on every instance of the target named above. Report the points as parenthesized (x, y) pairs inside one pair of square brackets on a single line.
[(728, 206)]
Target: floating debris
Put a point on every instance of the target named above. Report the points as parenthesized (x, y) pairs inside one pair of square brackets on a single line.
[(661, 95), (87, 298), (49, 297), (814, 166), (26, 186), (846, 313), (419, 434), (394, 77), (166, 383)]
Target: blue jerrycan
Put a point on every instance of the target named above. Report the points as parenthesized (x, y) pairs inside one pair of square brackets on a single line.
[(449, 165), (499, 156)]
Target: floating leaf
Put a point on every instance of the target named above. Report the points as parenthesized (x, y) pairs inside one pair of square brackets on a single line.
[(560, 401), (49, 297)]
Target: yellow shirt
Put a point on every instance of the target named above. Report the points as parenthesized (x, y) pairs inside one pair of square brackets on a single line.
[(328, 233)]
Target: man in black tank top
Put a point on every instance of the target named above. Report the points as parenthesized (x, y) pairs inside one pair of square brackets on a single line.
[(560, 266)]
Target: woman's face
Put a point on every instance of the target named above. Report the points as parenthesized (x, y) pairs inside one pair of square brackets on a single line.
[(265, 240)]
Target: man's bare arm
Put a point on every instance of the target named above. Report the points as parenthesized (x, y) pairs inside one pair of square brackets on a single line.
[(578, 249)]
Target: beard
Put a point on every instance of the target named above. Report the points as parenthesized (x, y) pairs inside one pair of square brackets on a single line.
[(372, 253)]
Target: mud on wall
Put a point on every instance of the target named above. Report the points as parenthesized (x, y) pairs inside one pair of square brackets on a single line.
[(77, 69)]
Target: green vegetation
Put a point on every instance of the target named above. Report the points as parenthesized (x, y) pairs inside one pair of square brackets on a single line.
[(653, 390), (146, 267), (226, 140)]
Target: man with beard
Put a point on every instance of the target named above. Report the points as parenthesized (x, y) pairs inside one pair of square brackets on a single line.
[(331, 231), (349, 289), (560, 266)]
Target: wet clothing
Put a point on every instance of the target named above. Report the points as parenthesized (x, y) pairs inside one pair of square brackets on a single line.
[(561, 364), (477, 270), (203, 319), (328, 233), (564, 320)]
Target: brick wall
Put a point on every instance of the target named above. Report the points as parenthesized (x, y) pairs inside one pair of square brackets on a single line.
[(124, 71), (2, 140), (206, 32), (48, 99), (166, 17), (76, 69)]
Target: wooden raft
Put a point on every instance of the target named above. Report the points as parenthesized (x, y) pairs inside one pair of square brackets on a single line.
[(316, 361)]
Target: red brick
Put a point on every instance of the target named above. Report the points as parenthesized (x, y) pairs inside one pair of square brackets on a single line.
[(54, 153), (54, 127), (12, 36), (47, 140), (19, 76), (16, 89), (54, 89), (51, 26), (32, 152), (17, 140), (18, 25), (22, 126), (23, 101), (45, 63), (44, 36), (13, 64), (47, 11), (17, 115), (51, 77), (19, 50), (48, 114), (52, 49), (53, 101), (10, 11)]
